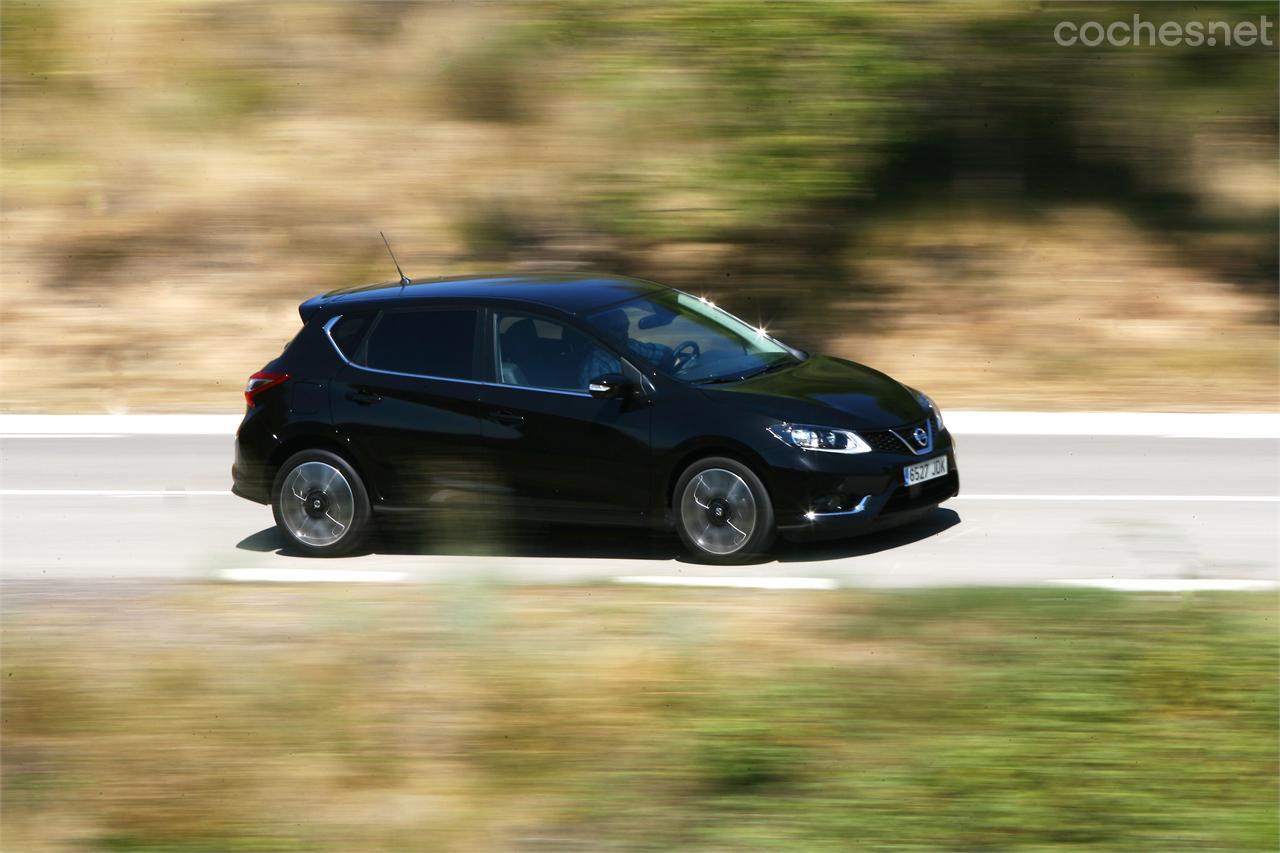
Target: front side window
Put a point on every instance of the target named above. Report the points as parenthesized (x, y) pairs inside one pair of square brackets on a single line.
[(424, 342), (535, 353), (690, 339)]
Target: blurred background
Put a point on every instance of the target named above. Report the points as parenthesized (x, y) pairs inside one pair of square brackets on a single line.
[(938, 190), (144, 718)]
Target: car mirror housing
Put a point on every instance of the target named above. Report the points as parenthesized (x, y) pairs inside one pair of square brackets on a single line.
[(609, 385)]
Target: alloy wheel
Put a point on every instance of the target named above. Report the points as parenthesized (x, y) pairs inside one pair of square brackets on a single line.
[(718, 511), (317, 504)]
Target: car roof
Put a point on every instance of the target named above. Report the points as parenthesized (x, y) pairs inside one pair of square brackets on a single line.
[(573, 293)]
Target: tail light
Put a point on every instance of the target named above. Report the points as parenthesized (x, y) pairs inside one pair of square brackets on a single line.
[(259, 382)]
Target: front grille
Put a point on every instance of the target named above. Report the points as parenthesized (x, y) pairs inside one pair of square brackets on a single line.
[(883, 441), (898, 439)]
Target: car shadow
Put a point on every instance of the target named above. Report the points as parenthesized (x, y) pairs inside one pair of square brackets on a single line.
[(580, 542), (553, 540), (265, 540)]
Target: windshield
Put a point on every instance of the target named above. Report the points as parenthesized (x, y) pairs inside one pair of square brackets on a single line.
[(690, 338)]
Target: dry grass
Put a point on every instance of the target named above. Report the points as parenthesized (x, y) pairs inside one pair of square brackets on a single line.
[(1076, 310), (204, 718), (1080, 312), (177, 177)]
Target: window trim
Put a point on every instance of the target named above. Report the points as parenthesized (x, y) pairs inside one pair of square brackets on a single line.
[(364, 335), (486, 313)]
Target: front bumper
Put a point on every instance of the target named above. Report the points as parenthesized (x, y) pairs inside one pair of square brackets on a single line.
[(870, 486)]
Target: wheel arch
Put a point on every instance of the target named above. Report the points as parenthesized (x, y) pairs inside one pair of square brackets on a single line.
[(684, 457), (314, 441)]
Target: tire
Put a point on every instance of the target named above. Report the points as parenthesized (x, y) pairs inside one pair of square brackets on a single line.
[(320, 504), (710, 496)]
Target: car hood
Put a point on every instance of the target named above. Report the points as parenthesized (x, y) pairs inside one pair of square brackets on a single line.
[(827, 392)]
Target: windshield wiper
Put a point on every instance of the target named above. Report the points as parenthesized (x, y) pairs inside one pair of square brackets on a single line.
[(739, 377), (769, 368)]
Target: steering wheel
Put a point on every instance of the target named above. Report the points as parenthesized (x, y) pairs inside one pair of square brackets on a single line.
[(684, 355)]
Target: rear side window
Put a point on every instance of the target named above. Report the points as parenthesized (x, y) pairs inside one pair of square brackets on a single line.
[(424, 342), (348, 332)]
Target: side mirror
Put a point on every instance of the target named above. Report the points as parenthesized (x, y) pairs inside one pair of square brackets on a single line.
[(609, 385)]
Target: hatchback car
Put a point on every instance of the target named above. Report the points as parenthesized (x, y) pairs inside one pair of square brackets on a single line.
[(576, 398)]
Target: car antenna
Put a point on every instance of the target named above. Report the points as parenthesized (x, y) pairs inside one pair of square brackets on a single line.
[(404, 279)]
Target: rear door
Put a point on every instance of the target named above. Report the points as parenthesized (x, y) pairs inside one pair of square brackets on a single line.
[(407, 401), (564, 454)]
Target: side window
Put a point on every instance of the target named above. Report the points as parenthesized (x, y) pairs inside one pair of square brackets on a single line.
[(424, 342), (348, 332), (538, 353)]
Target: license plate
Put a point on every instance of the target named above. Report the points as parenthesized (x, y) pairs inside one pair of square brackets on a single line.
[(930, 470)]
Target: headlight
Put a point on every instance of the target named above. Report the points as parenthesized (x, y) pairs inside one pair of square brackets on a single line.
[(928, 403), (808, 437)]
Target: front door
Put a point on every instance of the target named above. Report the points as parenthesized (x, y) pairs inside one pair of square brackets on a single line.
[(565, 454)]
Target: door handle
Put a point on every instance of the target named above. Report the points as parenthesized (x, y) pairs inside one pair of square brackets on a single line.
[(363, 396), (506, 417)]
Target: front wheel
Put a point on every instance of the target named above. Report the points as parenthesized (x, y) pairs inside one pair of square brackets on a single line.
[(723, 513), (320, 504)]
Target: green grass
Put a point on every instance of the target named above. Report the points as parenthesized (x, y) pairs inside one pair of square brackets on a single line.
[(479, 718)]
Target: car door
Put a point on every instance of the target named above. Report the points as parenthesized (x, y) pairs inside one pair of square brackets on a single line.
[(407, 400), (564, 453)]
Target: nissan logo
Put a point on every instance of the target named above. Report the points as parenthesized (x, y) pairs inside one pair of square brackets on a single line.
[(921, 437)]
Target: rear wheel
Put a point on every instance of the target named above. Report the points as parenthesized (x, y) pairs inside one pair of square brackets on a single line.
[(320, 504), (723, 513)]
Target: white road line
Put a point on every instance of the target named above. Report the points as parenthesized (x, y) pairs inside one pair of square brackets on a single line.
[(733, 582), (1127, 498), (115, 493), (8, 435), (772, 583), (310, 576), (1153, 424), (169, 494), (131, 424), (1171, 584)]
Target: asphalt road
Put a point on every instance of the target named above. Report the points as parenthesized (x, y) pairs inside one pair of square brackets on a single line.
[(1033, 509)]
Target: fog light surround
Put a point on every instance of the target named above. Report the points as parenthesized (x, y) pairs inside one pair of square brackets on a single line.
[(814, 513)]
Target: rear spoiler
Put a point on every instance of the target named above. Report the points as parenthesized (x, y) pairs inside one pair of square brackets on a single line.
[(308, 309)]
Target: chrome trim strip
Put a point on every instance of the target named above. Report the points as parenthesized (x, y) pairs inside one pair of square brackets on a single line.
[(543, 390), (419, 375), (328, 333), (862, 504)]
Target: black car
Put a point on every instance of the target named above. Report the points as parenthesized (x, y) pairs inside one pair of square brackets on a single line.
[(583, 399)]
